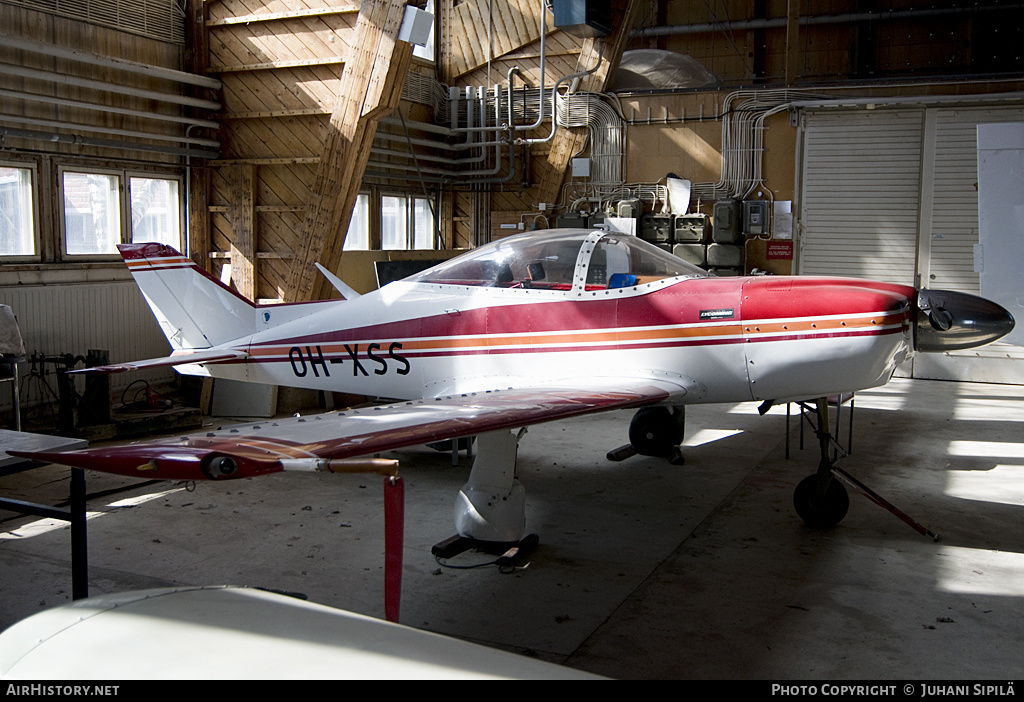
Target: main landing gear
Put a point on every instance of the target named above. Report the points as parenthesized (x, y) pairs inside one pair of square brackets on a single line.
[(490, 510), (654, 431)]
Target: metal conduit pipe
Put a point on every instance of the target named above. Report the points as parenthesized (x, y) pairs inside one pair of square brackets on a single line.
[(742, 145), (213, 143), (109, 62), (841, 18), (481, 94), (23, 72), (543, 34), (110, 109), (107, 143), (554, 100)]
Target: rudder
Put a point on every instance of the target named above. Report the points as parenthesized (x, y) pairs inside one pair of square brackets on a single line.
[(194, 309)]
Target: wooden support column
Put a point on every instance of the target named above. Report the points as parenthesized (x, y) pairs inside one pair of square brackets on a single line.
[(371, 86), (197, 204), (792, 41), (243, 226), (569, 141)]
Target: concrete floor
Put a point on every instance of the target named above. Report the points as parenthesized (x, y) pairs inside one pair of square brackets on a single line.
[(645, 569)]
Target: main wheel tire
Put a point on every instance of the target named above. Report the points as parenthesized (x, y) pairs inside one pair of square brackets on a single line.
[(654, 431), (825, 512)]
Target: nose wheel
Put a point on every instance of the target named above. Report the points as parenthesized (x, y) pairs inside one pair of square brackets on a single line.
[(819, 508), (821, 499)]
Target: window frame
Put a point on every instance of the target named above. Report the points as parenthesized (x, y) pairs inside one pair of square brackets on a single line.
[(34, 202), (126, 232), (409, 237)]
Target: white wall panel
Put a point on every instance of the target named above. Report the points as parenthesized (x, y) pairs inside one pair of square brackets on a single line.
[(74, 318)]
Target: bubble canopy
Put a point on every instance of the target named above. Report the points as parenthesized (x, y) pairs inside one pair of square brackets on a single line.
[(561, 259)]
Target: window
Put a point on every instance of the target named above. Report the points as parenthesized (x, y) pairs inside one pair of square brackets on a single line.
[(358, 237), (394, 222), (99, 214), (17, 214), (406, 223), (92, 213), (156, 210)]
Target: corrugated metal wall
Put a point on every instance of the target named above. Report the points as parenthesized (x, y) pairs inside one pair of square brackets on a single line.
[(892, 194), (860, 183)]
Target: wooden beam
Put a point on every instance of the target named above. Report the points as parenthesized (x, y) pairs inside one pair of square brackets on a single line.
[(569, 141), (242, 215), (792, 41), (291, 14), (198, 219), (371, 86)]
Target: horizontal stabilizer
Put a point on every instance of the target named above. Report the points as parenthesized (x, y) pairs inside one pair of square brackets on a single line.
[(179, 358)]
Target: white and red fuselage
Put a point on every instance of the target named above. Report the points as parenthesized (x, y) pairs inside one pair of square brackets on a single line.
[(723, 339)]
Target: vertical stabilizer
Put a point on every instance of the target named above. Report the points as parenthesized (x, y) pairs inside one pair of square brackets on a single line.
[(195, 310)]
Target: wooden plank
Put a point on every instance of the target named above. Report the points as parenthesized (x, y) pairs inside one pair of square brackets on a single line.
[(291, 14), (243, 225), (270, 65), (198, 219), (516, 23), (274, 114), (792, 41), (371, 87)]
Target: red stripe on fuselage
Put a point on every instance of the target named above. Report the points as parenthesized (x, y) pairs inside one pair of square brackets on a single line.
[(667, 316)]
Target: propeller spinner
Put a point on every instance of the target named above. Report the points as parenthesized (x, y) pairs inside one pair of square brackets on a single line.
[(951, 321)]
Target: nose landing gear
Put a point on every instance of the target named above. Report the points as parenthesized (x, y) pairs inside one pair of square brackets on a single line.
[(821, 499)]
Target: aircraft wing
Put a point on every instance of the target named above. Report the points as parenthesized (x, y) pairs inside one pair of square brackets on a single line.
[(314, 442), (178, 358)]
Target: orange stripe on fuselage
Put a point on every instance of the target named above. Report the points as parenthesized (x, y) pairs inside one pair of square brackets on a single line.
[(751, 331)]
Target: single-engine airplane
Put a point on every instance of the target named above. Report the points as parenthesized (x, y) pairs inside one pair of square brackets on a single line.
[(527, 329)]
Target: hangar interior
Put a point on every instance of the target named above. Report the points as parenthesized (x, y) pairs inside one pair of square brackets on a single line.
[(258, 137)]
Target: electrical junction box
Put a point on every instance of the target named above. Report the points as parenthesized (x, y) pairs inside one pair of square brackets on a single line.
[(583, 18), (571, 220), (690, 228), (656, 228), (696, 254), (630, 208), (725, 256), (581, 168), (727, 227), (416, 26), (755, 217)]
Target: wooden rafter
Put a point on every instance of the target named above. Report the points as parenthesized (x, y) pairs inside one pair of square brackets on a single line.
[(514, 24), (371, 86)]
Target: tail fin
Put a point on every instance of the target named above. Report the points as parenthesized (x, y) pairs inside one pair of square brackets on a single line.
[(194, 309)]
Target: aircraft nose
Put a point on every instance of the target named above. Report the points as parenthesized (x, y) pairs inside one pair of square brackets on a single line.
[(950, 321)]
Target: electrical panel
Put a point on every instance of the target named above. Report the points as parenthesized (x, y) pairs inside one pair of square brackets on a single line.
[(691, 253), (725, 256), (571, 220), (691, 228), (630, 208), (656, 228), (728, 228), (755, 217)]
